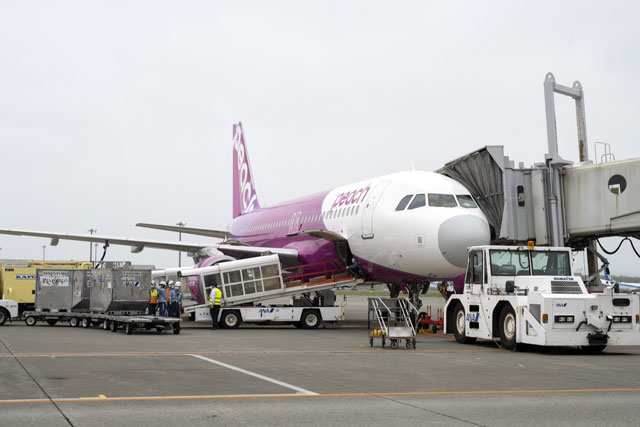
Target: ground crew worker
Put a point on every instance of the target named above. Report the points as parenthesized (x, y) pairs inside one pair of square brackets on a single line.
[(171, 300), (215, 298), (169, 287), (153, 301), (162, 299), (177, 301)]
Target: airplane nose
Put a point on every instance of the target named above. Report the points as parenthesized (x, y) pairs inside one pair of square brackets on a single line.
[(456, 234)]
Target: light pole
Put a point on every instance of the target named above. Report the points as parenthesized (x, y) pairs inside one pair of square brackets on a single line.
[(91, 230), (44, 247), (180, 224)]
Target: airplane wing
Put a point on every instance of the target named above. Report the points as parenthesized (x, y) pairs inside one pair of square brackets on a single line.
[(288, 256), (187, 230)]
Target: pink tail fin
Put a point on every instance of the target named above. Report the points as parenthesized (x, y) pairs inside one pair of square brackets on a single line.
[(245, 198)]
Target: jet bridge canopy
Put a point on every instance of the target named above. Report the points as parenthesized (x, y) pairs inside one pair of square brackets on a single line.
[(499, 190)]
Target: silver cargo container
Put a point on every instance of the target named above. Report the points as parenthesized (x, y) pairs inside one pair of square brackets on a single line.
[(62, 290), (117, 291)]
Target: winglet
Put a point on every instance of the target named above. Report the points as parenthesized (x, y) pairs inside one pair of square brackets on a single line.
[(245, 198)]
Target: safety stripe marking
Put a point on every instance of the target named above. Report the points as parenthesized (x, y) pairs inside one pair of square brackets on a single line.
[(256, 396), (253, 374)]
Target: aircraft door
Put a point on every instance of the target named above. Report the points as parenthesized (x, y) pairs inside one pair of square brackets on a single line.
[(295, 222), (369, 207)]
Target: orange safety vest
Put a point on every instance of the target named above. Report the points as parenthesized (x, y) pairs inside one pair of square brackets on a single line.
[(154, 296), (168, 299)]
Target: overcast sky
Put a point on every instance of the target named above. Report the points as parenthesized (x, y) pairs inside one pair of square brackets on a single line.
[(117, 112)]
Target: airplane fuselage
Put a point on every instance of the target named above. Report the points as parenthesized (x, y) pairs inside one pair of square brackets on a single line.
[(424, 240)]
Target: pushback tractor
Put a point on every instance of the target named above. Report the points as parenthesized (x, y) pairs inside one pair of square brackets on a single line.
[(530, 295)]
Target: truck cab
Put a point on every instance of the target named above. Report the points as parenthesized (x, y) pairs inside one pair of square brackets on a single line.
[(8, 310), (528, 294)]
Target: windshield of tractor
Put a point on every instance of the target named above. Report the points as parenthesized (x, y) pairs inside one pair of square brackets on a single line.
[(509, 263), (547, 263)]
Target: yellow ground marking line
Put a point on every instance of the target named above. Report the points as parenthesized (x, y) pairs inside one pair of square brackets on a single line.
[(258, 396)]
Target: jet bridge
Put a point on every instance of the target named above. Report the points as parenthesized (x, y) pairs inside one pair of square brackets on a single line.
[(554, 202)]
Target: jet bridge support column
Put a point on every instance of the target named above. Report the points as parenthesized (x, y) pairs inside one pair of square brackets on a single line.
[(557, 216)]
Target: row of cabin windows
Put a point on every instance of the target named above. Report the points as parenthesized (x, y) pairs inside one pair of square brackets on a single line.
[(440, 200), (332, 214)]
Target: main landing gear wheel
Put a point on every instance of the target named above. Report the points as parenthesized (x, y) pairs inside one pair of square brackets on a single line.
[(459, 326), (311, 319), (230, 319), (508, 328), (30, 320), (74, 321)]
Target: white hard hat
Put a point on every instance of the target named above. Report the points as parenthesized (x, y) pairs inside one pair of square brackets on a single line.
[(163, 283), (170, 282), (178, 284)]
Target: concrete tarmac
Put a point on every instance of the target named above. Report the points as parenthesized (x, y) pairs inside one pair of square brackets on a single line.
[(279, 375)]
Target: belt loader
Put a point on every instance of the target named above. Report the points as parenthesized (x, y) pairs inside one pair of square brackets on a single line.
[(530, 295)]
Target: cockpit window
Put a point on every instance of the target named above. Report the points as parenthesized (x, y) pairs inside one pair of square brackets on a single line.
[(418, 202), (444, 200), (466, 201), (404, 202)]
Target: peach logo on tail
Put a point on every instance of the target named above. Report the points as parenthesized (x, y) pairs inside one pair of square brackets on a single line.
[(248, 196)]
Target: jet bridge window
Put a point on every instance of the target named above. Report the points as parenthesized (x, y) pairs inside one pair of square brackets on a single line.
[(442, 200), (418, 202), (509, 263), (548, 263), (404, 202), (466, 201)]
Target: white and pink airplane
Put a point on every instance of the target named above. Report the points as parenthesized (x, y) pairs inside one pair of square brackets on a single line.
[(404, 229)]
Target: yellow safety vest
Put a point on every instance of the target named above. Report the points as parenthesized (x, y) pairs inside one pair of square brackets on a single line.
[(218, 296), (154, 296)]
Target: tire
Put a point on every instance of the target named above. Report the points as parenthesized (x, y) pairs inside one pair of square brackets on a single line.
[(85, 322), (4, 315), (311, 319), (460, 325), (176, 328), (74, 322), (434, 329), (593, 349), (394, 344), (128, 328), (30, 320), (508, 330), (106, 325), (230, 319), (114, 326)]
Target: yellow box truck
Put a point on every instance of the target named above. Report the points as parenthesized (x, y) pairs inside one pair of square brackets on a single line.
[(18, 279)]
